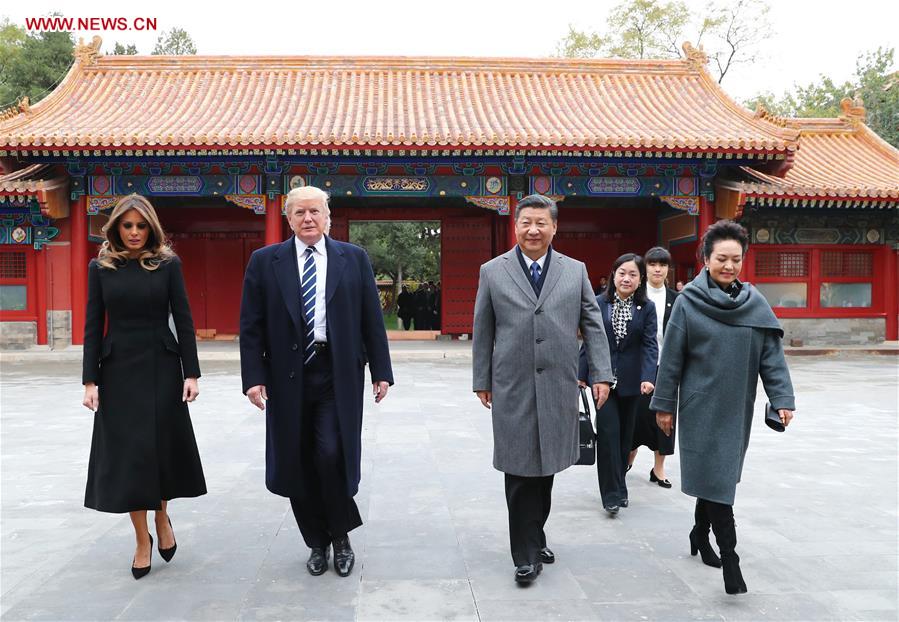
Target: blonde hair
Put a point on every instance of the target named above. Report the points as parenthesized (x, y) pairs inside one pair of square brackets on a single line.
[(113, 252), (303, 193)]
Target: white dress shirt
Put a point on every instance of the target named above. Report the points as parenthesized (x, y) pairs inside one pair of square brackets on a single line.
[(658, 296), (320, 255)]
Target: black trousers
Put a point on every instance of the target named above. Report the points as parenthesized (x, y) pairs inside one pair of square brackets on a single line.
[(529, 500), (615, 423), (407, 322), (326, 511)]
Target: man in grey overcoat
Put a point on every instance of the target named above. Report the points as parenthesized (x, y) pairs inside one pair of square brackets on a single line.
[(530, 303)]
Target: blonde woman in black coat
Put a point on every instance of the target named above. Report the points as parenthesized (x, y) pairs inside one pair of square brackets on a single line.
[(138, 379)]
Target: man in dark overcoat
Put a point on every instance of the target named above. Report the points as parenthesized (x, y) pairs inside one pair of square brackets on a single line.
[(310, 317)]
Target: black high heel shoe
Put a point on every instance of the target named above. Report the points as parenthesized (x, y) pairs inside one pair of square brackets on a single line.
[(700, 544), (664, 483), (139, 573), (169, 553)]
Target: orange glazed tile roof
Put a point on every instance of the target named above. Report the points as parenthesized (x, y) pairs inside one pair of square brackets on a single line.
[(206, 102), (837, 158)]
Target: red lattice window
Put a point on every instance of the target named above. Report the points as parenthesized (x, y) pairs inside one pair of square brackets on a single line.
[(846, 264), (12, 265), (782, 264)]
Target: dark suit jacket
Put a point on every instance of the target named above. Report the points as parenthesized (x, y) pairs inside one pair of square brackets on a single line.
[(670, 297), (634, 360), (271, 351)]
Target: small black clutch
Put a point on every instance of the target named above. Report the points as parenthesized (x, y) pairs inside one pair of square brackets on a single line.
[(772, 418)]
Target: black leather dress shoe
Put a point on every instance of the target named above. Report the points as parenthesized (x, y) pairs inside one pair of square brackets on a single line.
[(547, 556), (623, 503), (526, 574), (611, 509), (318, 560), (344, 558)]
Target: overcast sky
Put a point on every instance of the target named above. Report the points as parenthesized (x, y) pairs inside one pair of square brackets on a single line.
[(808, 38)]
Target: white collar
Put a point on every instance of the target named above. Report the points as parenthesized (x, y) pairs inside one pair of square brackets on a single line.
[(302, 246)]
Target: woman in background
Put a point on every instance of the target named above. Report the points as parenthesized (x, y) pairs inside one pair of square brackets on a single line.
[(646, 431), (630, 323)]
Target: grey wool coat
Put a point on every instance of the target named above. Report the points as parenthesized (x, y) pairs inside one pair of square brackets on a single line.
[(525, 350), (715, 349)]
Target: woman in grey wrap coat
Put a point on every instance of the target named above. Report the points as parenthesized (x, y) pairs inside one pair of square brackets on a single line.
[(721, 337)]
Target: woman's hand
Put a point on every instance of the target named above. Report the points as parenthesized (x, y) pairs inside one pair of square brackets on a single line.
[(191, 390), (786, 416), (91, 397), (646, 388), (665, 421)]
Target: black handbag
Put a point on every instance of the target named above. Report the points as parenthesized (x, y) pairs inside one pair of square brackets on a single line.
[(772, 419), (587, 437)]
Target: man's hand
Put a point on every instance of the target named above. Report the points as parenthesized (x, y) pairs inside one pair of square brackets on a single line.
[(191, 390), (786, 416), (600, 393), (646, 388), (486, 398), (257, 396), (665, 421), (91, 397), (379, 390)]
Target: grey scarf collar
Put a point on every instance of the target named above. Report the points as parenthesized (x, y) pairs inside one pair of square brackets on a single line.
[(749, 308)]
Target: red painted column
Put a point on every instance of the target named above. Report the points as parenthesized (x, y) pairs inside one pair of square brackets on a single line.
[(891, 283), (40, 262), (706, 220), (512, 240), (78, 264), (272, 220)]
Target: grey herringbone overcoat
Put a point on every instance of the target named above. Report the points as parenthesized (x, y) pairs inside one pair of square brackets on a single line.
[(525, 351)]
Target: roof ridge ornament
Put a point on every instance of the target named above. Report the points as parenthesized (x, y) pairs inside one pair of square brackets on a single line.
[(696, 57), (761, 112), (86, 54), (853, 110), (20, 107)]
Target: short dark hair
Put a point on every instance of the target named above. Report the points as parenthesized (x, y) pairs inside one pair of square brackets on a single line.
[(723, 230), (640, 294), (657, 254), (538, 201)]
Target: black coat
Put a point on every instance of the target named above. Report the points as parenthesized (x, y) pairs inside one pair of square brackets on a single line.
[(271, 352), (405, 305), (634, 359), (143, 448)]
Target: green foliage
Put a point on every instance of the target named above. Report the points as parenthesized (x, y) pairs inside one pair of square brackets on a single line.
[(124, 50), (31, 64), (874, 81), (175, 42), (654, 29), (400, 250), (647, 29), (577, 44)]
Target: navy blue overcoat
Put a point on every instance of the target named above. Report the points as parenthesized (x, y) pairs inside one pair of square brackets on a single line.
[(271, 352), (634, 359)]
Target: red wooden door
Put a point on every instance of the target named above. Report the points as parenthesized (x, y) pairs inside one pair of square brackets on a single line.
[(466, 243), (192, 252), (224, 281)]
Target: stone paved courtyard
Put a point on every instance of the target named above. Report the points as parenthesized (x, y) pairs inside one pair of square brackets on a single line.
[(816, 515)]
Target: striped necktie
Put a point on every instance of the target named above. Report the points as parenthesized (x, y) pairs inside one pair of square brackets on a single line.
[(307, 295)]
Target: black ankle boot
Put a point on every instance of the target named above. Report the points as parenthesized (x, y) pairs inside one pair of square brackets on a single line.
[(699, 543), (722, 519), (699, 536), (733, 577)]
